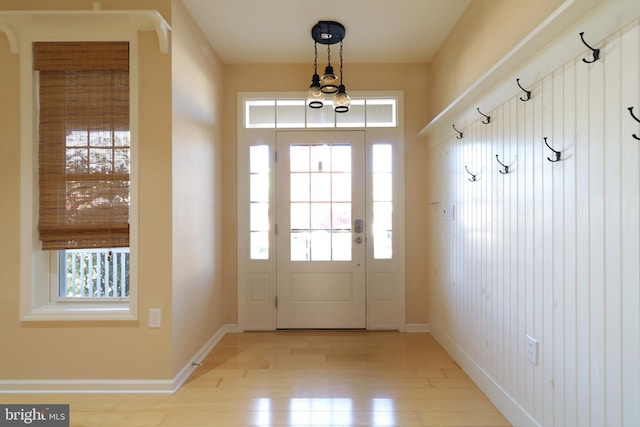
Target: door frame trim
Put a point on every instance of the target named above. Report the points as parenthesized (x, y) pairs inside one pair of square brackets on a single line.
[(256, 286)]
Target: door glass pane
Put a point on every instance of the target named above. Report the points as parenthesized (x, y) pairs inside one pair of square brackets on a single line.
[(320, 246), (382, 186), (259, 224), (320, 187), (260, 114), (321, 226), (354, 117), (300, 216), (321, 216), (341, 246), (300, 246), (259, 216), (341, 216), (381, 112), (259, 245), (341, 187), (299, 157), (382, 166), (320, 158), (321, 117), (299, 187), (290, 113), (259, 187), (341, 158)]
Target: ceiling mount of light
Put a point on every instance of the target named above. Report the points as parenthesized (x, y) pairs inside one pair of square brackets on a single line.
[(328, 33)]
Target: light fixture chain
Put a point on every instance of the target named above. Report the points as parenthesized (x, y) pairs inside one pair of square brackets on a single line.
[(340, 61), (315, 60), (328, 54)]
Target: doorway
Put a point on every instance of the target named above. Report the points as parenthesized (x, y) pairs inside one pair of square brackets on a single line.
[(320, 213), (322, 234)]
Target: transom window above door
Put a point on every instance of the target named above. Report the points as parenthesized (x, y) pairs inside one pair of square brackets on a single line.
[(294, 113)]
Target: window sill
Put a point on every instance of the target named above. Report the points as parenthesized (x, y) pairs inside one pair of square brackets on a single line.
[(79, 311)]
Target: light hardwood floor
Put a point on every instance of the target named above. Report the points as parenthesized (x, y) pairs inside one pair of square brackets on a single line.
[(303, 378)]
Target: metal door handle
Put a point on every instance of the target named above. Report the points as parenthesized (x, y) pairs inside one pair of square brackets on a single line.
[(358, 239)]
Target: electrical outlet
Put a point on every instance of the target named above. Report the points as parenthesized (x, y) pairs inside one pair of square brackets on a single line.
[(155, 317), (531, 350), (448, 212)]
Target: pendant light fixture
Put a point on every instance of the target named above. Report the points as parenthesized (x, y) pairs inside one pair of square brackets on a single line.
[(328, 33), (341, 102), (329, 81), (315, 97)]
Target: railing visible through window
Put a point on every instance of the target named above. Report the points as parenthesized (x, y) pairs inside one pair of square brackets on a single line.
[(94, 273)]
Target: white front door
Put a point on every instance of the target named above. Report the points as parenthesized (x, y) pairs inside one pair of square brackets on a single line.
[(321, 230)]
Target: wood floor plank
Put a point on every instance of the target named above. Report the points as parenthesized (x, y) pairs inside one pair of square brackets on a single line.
[(303, 378)]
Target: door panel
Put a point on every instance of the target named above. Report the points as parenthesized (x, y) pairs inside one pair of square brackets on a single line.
[(320, 251)]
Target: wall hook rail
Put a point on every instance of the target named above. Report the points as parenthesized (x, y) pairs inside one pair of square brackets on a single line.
[(460, 135), (486, 122), (596, 52), (505, 168), (556, 154), (528, 92), (473, 176), (636, 119)]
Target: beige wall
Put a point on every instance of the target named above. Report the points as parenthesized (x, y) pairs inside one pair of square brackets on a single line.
[(43, 350), (197, 185), (410, 78), (487, 31), (179, 219)]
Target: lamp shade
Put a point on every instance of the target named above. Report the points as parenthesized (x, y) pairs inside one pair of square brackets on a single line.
[(342, 101), (315, 97), (329, 81)]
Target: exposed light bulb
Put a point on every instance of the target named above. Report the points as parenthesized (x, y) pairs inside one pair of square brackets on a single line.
[(342, 101), (329, 81), (315, 97)]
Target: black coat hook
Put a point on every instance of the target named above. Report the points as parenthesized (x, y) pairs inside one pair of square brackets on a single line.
[(486, 122), (596, 52), (459, 133), (528, 92), (473, 177), (505, 169), (556, 154), (636, 119)]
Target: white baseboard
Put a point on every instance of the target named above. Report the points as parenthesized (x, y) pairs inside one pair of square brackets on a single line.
[(117, 386), (417, 328), (513, 412), (195, 361)]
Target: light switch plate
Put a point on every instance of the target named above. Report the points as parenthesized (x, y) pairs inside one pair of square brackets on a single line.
[(448, 212), (155, 318)]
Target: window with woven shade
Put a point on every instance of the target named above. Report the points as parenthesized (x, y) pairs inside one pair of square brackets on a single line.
[(84, 144)]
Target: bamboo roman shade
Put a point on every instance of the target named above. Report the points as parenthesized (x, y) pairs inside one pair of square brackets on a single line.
[(84, 144)]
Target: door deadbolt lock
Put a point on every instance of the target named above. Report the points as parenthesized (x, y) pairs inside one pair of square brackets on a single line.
[(358, 226)]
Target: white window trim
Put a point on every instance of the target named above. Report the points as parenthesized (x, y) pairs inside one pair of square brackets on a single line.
[(36, 266)]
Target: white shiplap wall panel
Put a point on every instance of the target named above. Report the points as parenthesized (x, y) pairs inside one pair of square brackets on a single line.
[(550, 250), (630, 239)]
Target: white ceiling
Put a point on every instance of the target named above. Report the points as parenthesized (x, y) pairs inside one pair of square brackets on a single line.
[(279, 31)]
